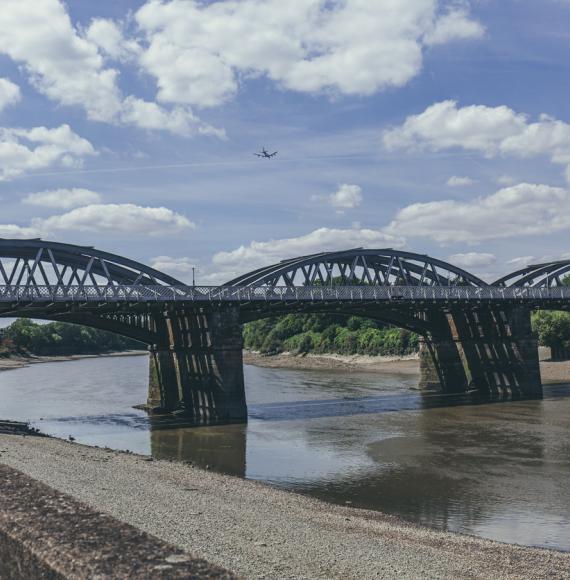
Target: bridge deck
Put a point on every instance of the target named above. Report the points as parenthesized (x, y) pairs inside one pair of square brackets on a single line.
[(245, 294)]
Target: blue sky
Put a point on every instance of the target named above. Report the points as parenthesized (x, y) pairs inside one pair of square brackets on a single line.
[(442, 127)]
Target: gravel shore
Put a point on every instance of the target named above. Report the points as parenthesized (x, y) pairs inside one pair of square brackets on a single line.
[(552, 372), (408, 365), (262, 532)]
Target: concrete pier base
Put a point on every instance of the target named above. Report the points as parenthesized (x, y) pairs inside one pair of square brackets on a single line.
[(197, 369), (492, 351)]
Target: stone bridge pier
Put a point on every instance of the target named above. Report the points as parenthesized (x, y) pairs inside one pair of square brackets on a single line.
[(196, 365), (489, 350)]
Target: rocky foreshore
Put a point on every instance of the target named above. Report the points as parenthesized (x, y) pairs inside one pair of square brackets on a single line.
[(262, 532), (287, 360)]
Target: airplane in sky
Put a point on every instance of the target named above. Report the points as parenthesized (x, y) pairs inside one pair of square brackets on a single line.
[(265, 154)]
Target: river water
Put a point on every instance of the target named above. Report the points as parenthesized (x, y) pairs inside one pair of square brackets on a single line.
[(499, 470)]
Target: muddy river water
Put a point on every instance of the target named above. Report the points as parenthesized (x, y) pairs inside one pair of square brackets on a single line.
[(497, 470)]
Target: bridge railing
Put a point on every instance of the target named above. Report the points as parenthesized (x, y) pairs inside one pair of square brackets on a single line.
[(244, 294)]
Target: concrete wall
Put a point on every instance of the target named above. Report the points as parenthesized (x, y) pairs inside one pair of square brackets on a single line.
[(48, 535)]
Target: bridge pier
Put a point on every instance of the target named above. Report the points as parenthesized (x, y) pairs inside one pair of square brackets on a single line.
[(196, 366), (490, 350)]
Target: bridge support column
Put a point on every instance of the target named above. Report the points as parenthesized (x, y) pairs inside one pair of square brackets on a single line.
[(197, 369), (441, 366), (489, 350)]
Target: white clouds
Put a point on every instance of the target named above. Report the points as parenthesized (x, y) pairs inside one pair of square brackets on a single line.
[(491, 131), (180, 268), (107, 219), (117, 218), (60, 64), (9, 93), (108, 36), (347, 197), (200, 52), (520, 210), (456, 181), (151, 116), (472, 260), (258, 254), (454, 25), (444, 125), (505, 180), (19, 232), (24, 150), (69, 69), (63, 198), (522, 262)]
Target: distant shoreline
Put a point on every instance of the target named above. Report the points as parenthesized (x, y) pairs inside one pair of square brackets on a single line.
[(404, 365), (552, 372), (18, 362)]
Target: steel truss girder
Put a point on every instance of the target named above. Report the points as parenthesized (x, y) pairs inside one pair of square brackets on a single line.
[(31, 264), (385, 267), (547, 275)]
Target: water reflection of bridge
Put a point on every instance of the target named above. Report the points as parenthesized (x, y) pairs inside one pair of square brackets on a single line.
[(476, 336), (445, 464)]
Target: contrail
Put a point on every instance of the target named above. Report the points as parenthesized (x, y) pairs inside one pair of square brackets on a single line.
[(192, 164)]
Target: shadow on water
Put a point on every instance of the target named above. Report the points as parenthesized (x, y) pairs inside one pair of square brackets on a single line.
[(482, 469), (314, 409), (387, 403)]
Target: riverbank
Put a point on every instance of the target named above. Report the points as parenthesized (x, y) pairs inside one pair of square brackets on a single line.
[(17, 362), (552, 372), (408, 365), (262, 532)]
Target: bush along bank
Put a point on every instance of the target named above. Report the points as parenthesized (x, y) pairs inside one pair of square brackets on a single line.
[(326, 333), (25, 337)]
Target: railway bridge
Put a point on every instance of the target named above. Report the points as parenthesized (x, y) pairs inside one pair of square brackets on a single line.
[(475, 336)]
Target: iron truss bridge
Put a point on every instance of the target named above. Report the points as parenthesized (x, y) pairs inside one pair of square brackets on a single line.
[(47, 294), (37, 272)]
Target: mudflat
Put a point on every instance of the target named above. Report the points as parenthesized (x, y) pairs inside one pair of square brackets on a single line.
[(17, 362), (262, 532), (552, 372), (409, 365)]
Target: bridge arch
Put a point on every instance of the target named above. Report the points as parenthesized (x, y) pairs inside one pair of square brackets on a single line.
[(547, 275), (383, 267), (35, 263)]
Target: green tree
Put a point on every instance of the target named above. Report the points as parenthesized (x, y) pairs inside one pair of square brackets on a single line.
[(553, 330), (327, 333), (63, 338)]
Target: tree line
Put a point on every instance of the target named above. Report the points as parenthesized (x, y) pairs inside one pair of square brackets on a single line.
[(326, 333), (298, 333), (59, 338)]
